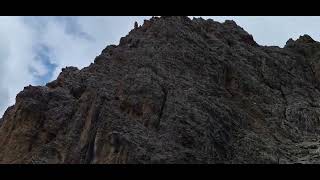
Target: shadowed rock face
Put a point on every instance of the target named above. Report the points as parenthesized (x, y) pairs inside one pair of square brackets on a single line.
[(175, 90)]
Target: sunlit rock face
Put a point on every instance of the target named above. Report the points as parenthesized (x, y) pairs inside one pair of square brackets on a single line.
[(174, 90)]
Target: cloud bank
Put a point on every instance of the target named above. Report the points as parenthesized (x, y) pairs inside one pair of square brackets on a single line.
[(276, 30), (34, 49)]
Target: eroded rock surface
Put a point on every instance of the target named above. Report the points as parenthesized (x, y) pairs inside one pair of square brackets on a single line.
[(175, 90)]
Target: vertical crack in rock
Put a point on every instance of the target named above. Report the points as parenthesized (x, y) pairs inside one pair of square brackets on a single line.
[(91, 131), (163, 104), (286, 103), (90, 150)]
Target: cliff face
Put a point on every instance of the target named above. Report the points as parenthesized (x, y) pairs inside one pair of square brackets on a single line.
[(175, 90)]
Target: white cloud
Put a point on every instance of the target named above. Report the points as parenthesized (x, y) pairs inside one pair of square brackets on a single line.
[(276, 30), (16, 43), (79, 43), (30, 47), (71, 41)]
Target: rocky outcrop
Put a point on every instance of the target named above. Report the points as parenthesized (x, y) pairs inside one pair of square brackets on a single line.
[(175, 90)]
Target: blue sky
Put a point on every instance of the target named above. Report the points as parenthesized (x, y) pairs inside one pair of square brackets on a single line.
[(34, 49)]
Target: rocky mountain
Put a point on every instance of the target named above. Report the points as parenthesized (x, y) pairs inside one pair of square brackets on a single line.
[(175, 90)]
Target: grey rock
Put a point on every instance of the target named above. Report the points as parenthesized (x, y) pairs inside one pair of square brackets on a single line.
[(175, 90)]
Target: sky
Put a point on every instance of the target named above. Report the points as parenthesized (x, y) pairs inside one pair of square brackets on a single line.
[(33, 50)]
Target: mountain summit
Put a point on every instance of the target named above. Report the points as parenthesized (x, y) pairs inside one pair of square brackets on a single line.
[(174, 90)]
